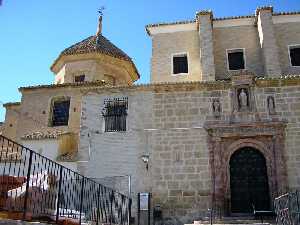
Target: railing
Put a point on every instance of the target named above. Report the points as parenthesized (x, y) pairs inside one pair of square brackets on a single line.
[(33, 187), (287, 209)]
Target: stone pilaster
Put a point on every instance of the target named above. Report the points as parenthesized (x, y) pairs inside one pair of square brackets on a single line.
[(204, 19), (268, 41)]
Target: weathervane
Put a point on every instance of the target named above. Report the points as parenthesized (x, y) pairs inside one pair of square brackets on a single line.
[(100, 11)]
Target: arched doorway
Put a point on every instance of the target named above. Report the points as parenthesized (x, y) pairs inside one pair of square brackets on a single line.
[(248, 181)]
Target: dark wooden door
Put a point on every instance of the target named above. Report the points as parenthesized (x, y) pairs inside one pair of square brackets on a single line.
[(248, 181)]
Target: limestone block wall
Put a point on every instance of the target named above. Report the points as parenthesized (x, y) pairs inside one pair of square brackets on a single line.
[(245, 37), (93, 69), (35, 110), (164, 46), (181, 170), (287, 101), (109, 154), (268, 43), (167, 124), (287, 34), (265, 38), (9, 127)]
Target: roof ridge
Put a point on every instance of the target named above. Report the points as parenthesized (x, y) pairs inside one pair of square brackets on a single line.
[(217, 19), (113, 45), (76, 44)]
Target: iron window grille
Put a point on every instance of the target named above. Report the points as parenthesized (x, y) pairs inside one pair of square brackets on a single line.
[(115, 114), (60, 113), (79, 78)]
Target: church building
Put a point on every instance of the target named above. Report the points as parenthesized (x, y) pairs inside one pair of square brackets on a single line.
[(217, 127)]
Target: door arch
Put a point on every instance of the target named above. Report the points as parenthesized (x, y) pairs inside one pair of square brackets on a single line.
[(248, 181)]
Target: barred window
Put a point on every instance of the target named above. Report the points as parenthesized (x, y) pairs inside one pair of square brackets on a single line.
[(60, 112), (79, 78), (115, 113)]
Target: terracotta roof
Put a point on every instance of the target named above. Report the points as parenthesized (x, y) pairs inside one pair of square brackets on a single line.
[(38, 135), (171, 23), (233, 17), (98, 44), (11, 104), (286, 13), (78, 84), (221, 18)]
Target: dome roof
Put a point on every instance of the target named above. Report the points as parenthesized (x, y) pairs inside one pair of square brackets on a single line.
[(96, 44)]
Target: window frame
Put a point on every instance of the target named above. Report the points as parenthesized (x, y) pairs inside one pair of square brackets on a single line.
[(79, 76), (116, 98), (52, 101), (289, 53), (233, 50), (178, 54)]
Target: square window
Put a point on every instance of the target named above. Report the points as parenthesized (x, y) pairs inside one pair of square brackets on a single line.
[(115, 114), (60, 113), (295, 55), (180, 64), (79, 78), (236, 59)]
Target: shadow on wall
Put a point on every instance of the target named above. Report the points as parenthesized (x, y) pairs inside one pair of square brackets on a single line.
[(2, 113)]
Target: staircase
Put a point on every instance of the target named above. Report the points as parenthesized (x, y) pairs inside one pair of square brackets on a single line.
[(235, 221)]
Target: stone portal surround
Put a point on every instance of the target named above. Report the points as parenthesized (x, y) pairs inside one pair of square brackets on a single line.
[(225, 139)]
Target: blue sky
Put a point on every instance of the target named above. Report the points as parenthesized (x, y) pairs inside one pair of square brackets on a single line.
[(34, 32)]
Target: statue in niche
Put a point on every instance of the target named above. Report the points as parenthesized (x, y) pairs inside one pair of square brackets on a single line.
[(271, 105), (243, 100), (216, 106)]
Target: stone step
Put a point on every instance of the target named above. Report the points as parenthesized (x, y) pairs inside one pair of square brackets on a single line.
[(236, 221)]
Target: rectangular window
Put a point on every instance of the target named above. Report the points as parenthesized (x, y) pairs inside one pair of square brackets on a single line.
[(180, 64), (60, 113), (236, 59), (295, 55), (79, 78), (115, 114)]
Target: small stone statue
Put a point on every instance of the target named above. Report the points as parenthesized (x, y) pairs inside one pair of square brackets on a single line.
[(243, 100), (271, 105), (216, 106)]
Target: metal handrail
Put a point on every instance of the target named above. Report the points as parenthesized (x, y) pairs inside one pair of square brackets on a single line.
[(38, 187)]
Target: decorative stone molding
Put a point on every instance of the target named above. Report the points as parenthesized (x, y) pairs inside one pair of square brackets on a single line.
[(216, 108), (271, 105), (225, 139), (243, 98)]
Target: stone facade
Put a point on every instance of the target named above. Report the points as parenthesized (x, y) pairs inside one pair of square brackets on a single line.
[(9, 127), (189, 146), (188, 125), (264, 37), (95, 68)]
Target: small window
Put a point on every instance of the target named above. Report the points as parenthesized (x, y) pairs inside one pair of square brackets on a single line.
[(236, 59), (180, 64), (60, 112), (295, 55), (115, 114), (79, 78)]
